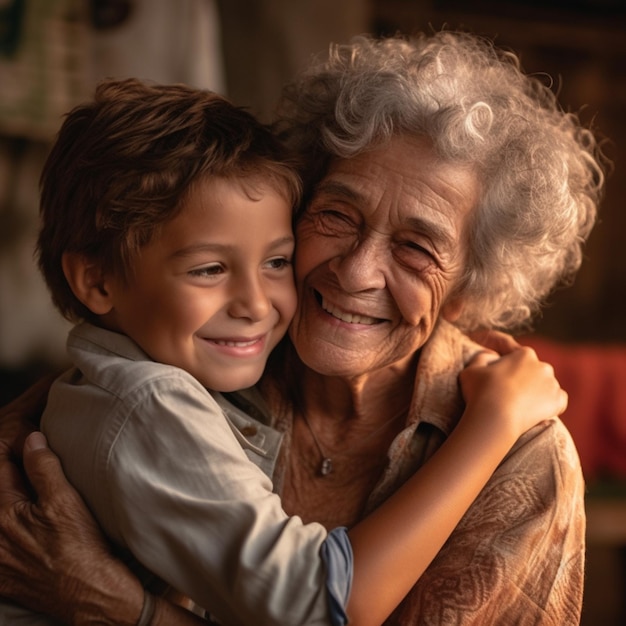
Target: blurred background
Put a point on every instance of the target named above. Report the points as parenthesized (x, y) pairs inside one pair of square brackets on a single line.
[(52, 52)]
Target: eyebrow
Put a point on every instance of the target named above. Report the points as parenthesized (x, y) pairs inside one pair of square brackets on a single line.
[(196, 248), (335, 188), (414, 222)]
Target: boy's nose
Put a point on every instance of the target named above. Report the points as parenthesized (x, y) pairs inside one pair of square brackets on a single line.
[(249, 300)]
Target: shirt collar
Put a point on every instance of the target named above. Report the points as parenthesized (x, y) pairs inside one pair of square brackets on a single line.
[(437, 398), (102, 341)]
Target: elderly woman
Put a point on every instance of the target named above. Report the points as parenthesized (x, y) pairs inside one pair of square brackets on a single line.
[(447, 193)]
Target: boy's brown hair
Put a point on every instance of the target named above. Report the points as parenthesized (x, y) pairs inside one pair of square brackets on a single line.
[(122, 165)]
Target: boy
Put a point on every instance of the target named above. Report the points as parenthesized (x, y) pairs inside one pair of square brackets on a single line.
[(167, 229)]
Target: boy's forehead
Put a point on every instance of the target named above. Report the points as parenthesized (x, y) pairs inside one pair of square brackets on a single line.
[(253, 185)]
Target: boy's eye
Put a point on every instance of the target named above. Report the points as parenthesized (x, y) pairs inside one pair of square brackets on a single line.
[(207, 270), (278, 263)]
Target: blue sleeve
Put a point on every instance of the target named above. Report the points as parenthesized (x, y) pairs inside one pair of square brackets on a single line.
[(337, 555)]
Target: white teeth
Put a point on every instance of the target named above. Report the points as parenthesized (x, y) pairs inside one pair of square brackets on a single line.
[(347, 317), (235, 344)]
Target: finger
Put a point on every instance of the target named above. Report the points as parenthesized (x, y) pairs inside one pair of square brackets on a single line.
[(500, 342), (42, 467), (13, 488), (13, 432), (482, 358)]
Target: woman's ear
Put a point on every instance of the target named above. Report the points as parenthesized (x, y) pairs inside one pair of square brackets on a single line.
[(86, 279)]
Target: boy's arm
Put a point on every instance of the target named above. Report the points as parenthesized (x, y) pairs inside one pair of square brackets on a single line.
[(504, 399), (518, 554)]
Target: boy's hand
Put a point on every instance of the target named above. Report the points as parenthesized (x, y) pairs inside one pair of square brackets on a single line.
[(496, 341), (518, 390)]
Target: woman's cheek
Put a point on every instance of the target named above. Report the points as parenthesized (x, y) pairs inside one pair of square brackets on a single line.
[(418, 298)]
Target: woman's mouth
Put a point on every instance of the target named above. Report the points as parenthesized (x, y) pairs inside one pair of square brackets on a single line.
[(345, 316)]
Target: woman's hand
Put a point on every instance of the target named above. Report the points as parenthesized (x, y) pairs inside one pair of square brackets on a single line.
[(53, 557)]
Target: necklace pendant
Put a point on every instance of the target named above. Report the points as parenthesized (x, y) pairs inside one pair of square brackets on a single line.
[(326, 467)]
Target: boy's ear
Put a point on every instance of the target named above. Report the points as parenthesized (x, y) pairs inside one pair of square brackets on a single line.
[(87, 281)]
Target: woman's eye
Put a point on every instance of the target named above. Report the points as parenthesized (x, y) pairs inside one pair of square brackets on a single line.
[(333, 222), (415, 255), (331, 215), (412, 245)]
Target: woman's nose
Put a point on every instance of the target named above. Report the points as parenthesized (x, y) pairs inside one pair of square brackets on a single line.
[(362, 267)]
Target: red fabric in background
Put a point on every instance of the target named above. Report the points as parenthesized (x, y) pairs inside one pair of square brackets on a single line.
[(594, 376)]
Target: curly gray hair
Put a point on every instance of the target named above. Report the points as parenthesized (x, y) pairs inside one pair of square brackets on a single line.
[(541, 171)]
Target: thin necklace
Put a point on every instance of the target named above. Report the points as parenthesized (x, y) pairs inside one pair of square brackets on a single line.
[(326, 466)]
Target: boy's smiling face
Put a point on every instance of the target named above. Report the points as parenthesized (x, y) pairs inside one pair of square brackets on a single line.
[(213, 292)]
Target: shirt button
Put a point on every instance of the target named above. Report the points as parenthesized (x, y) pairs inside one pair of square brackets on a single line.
[(249, 430)]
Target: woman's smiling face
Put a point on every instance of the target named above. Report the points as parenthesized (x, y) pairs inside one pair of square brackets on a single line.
[(379, 250)]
